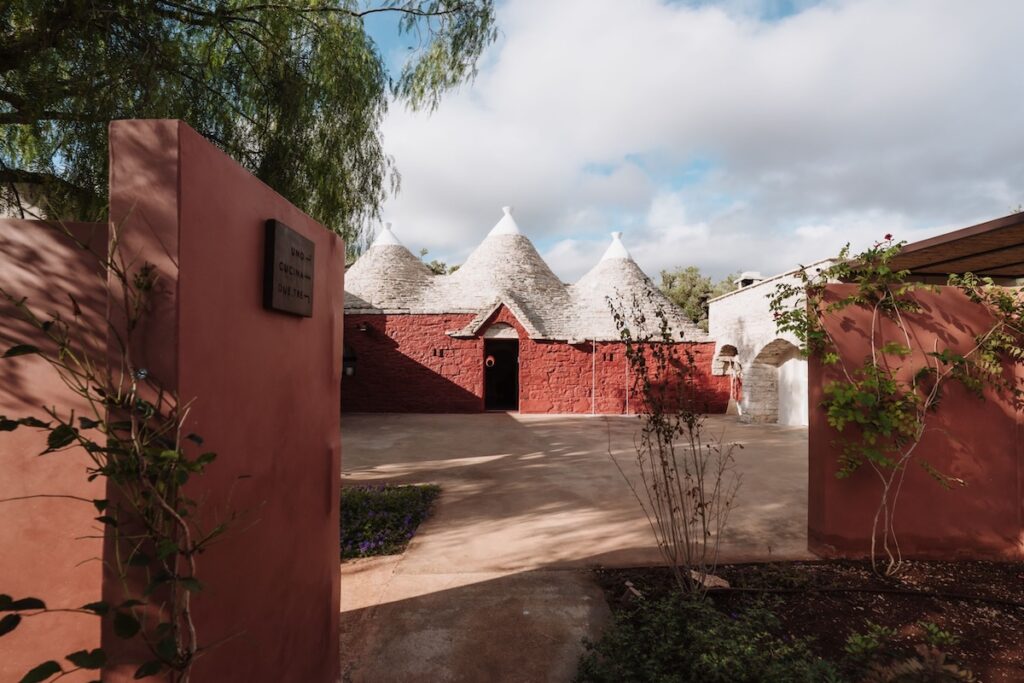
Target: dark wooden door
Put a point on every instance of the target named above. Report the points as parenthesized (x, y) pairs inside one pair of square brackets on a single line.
[(501, 374)]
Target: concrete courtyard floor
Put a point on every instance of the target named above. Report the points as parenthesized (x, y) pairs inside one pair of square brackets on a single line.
[(495, 584)]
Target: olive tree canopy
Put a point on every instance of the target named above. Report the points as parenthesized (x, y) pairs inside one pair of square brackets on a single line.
[(293, 89)]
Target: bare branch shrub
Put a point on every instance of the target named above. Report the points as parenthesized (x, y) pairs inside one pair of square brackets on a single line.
[(688, 479)]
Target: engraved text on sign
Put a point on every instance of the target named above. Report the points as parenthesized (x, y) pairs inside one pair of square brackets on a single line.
[(288, 271)]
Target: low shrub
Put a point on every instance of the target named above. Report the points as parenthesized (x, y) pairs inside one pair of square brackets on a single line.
[(865, 648), (381, 520), (680, 639), (669, 638)]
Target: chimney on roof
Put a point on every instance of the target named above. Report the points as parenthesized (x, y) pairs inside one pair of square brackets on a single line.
[(748, 278)]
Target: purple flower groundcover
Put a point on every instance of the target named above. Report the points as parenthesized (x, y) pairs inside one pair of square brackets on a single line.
[(382, 519)]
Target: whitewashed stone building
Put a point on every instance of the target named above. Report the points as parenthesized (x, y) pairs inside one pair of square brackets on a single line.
[(768, 375)]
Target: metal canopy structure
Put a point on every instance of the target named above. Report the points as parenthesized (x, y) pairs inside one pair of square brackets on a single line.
[(994, 248)]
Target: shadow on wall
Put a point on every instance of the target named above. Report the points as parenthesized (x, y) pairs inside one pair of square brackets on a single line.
[(387, 379), (51, 545), (690, 384), (768, 393), (409, 364), (971, 438), (42, 264)]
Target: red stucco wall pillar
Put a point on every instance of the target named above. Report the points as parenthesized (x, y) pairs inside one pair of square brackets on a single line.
[(265, 392), (49, 547), (977, 440)]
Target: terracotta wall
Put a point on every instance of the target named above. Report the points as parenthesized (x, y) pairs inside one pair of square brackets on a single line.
[(978, 440), (407, 363), (265, 387), (45, 545)]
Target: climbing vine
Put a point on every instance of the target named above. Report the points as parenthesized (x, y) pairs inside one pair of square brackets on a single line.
[(881, 405), (134, 435)]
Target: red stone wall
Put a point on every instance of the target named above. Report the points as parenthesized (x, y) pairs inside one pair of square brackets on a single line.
[(977, 440), (407, 363)]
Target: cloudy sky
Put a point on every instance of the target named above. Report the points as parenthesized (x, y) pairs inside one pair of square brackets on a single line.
[(736, 135)]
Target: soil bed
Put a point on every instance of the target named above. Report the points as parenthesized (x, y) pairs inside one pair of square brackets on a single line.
[(807, 601)]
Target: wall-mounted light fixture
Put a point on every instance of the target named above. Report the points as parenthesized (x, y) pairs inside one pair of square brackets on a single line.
[(348, 360)]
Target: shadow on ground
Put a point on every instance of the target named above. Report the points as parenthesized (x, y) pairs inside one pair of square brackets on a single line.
[(494, 586)]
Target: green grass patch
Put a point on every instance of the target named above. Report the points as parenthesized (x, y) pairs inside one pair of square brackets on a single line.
[(381, 520)]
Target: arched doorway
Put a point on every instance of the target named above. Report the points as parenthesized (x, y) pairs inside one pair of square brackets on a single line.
[(775, 386), (501, 367), (726, 362)]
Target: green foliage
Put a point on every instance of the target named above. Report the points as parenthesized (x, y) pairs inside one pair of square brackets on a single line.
[(879, 405), (438, 267), (875, 656), (863, 648), (295, 90), (20, 350), (670, 638), (935, 636), (682, 639), (691, 291), (125, 624), (132, 433), (884, 414), (381, 520)]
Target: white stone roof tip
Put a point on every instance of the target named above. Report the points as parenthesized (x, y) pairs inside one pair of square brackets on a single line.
[(507, 224), (385, 237), (616, 249)]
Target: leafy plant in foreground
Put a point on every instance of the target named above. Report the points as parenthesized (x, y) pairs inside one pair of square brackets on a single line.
[(680, 639), (882, 403), (134, 433)]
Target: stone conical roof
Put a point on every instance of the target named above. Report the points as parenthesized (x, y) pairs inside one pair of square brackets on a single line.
[(617, 277), (386, 276), (506, 262), (505, 269)]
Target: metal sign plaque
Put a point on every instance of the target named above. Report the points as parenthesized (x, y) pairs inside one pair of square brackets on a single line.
[(288, 271)]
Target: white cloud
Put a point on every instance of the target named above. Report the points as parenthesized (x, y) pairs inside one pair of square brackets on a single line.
[(840, 123), (814, 232)]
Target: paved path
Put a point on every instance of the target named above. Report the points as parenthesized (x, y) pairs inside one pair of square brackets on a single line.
[(494, 586)]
